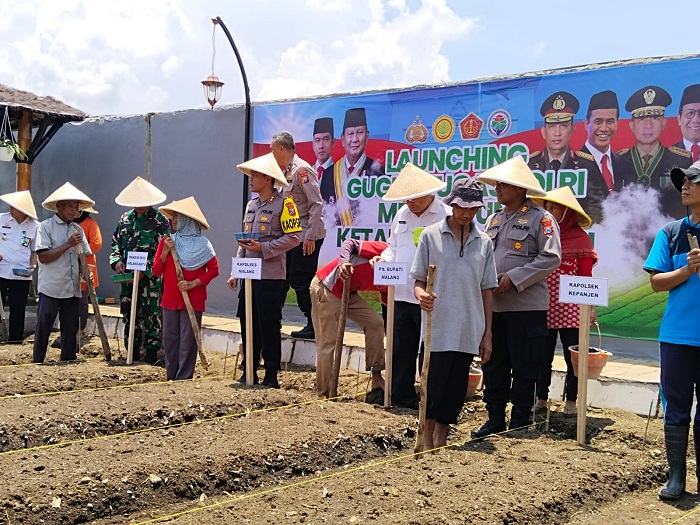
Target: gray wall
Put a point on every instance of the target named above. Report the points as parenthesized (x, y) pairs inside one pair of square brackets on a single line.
[(194, 153)]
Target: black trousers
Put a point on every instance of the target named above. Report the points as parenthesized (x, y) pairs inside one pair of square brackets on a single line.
[(569, 337), (519, 347), (407, 323), (67, 310), (300, 271), (267, 314), (16, 292)]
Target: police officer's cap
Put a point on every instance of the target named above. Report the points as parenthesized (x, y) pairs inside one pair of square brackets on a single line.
[(559, 107), (603, 100), (691, 95), (323, 125), (650, 101), (355, 117)]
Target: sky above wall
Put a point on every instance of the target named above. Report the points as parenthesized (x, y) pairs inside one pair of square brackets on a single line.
[(140, 56)]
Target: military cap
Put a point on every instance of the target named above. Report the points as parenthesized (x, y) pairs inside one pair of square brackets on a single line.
[(355, 117), (650, 101), (323, 125), (603, 100), (691, 95), (466, 193), (559, 107)]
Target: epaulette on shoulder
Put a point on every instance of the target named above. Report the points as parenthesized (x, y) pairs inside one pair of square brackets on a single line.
[(585, 155), (680, 151), (535, 154), (623, 151)]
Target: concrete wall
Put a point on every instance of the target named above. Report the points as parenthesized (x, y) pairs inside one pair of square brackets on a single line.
[(194, 153)]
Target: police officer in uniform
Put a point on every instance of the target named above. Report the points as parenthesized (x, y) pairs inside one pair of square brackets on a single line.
[(558, 111), (276, 219), (652, 162), (302, 261), (526, 249), (607, 171)]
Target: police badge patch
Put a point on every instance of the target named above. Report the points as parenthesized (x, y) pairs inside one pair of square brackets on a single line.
[(547, 227)]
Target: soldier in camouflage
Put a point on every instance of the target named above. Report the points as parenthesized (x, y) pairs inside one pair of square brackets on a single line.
[(140, 230)]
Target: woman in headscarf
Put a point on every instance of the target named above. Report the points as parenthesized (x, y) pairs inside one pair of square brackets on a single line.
[(577, 258), (199, 267)]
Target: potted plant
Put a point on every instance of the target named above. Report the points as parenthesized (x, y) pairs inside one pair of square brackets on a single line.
[(9, 149)]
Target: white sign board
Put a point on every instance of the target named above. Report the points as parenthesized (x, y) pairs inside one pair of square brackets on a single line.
[(583, 290), (136, 261), (243, 268), (390, 273)]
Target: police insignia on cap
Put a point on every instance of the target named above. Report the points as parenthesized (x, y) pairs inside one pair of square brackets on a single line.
[(558, 103), (649, 96)]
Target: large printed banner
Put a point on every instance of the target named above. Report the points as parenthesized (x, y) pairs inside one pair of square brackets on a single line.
[(612, 134)]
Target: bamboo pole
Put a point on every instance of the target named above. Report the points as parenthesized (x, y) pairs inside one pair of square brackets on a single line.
[(132, 317), (389, 359), (426, 365), (95, 305), (249, 365), (338, 350), (584, 324), (196, 329)]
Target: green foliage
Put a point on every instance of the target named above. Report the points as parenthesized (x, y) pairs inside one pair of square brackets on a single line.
[(7, 143)]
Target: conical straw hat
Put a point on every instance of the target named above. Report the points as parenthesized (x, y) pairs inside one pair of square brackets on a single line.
[(412, 183), (267, 165), (187, 207), (566, 197), (514, 172), (22, 201), (140, 194), (91, 210), (67, 192)]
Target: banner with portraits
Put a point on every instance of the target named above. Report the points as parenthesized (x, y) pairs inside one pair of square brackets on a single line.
[(611, 132)]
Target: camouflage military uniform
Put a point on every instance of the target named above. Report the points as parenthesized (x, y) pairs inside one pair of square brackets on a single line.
[(141, 233)]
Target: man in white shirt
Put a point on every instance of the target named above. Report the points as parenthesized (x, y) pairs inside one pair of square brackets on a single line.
[(417, 189)]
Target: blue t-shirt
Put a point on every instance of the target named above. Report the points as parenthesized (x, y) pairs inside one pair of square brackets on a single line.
[(669, 253)]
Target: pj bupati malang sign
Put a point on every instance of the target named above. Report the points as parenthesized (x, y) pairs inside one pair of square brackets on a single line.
[(611, 133)]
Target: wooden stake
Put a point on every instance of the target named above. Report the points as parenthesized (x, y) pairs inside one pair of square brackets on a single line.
[(389, 358), (584, 324), (196, 329), (3, 322), (85, 269), (338, 350), (132, 318), (250, 368), (426, 365)]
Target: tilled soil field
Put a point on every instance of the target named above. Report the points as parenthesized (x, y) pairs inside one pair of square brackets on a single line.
[(106, 443)]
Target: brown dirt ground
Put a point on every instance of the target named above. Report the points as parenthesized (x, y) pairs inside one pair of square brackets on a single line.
[(106, 443)]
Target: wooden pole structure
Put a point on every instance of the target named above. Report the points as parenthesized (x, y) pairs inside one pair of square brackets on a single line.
[(196, 329), (389, 359), (95, 306), (338, 350), (132, 318), (250, 367), (426, 365), (584, 324), (24, 140)]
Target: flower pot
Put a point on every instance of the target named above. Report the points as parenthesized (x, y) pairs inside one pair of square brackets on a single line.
[(475, 377), (597, 358), (6, 154)]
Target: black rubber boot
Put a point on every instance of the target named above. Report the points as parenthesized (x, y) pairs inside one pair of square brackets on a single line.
[(520, 417), (676, 438), (270, 379), (496, 422), (696, 442)]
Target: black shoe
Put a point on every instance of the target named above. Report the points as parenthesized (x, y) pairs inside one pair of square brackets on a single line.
[(151, 357), (242, 380), (270, 380), (56, 342), (305, 333), (488, 428)]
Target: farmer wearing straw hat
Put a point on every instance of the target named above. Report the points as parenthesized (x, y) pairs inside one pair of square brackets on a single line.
[(416, 188), (577, 258), (461, 304), (302, 260), (140, 230), (527, 249), (276, 220), (59, 270), (17, 250), (94, 239), (199, 267)]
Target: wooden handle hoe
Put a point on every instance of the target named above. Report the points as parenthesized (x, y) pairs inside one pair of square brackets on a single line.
[(338, 350), (190, 311), (95, 305), (426, 365)]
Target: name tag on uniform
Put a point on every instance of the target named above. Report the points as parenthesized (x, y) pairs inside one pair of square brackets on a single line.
[(137, 261), (243, 268), (389, 273)]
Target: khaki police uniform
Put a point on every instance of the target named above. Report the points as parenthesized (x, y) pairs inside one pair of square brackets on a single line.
[(303, 188), (527, 248), (277, 221)]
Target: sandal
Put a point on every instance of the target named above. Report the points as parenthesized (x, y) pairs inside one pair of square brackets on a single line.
[(570, 411)]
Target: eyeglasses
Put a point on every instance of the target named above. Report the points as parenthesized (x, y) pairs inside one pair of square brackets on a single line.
[(690, 113)]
